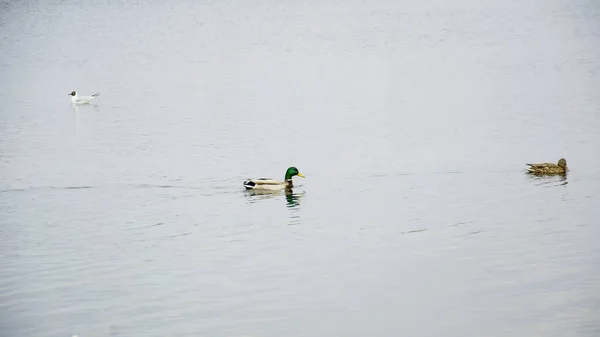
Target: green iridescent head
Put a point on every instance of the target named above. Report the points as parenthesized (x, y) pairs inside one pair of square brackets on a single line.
[(292, 171)]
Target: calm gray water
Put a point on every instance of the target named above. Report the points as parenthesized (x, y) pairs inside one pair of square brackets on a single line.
[(412, 120)]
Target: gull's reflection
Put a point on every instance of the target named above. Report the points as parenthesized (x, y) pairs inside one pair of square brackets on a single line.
[(76, 111), (76, 107)]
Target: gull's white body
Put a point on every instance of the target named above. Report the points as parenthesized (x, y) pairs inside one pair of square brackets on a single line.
[(78, 100)]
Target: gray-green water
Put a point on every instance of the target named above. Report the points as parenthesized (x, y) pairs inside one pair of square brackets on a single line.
[(412, 121)]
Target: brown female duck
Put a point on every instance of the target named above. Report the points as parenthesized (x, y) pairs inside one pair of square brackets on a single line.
[(549, 168)]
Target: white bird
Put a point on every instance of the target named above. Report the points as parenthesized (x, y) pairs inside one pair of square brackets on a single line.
[(82, 99)]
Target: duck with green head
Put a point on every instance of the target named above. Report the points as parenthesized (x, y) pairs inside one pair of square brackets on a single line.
[(548, 168), (272, 184)]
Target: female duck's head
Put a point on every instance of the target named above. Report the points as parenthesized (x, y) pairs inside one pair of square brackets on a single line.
[(292, 171), (562, 163)]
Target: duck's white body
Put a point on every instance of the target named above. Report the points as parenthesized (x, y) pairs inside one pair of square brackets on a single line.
[(269, 184), (266, 184)]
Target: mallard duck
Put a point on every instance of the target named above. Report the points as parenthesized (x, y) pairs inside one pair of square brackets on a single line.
[(549, 168), (272, 184)]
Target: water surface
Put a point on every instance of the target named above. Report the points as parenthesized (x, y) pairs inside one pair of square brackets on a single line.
[(412, 122)]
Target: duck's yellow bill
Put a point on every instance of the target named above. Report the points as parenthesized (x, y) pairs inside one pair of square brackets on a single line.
[(301, 175)]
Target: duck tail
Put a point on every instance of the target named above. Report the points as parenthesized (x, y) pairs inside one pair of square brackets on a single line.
[(249, 184), (96, 94)]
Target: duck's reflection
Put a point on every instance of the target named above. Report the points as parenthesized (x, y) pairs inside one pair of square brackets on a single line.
[(548, 180), (293, 200)]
